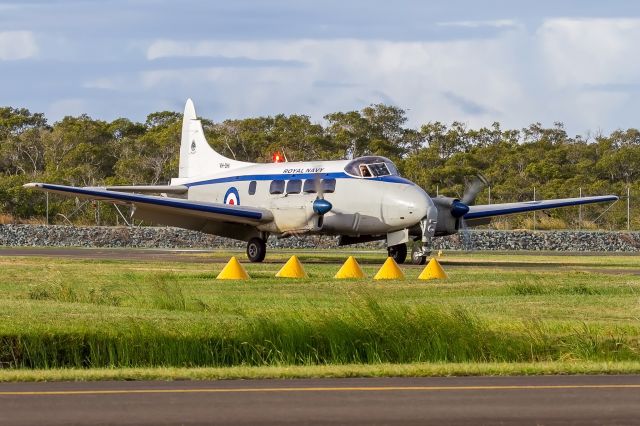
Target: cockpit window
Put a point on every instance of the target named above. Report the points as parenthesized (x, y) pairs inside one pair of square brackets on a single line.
[(379, 169), (371, 166), (364, 171)]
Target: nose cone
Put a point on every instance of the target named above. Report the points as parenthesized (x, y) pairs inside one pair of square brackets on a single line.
[(404, 205)]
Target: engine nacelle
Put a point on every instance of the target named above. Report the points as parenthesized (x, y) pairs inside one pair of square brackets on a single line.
[(447, 223), (293, 216)]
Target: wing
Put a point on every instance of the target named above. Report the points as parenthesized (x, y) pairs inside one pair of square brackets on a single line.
[(489, 210), (151, 189), (173, 209)]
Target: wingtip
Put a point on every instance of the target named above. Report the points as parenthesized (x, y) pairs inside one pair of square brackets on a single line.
[(32, 185)]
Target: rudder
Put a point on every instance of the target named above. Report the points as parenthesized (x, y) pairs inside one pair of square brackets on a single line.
[(197, 158)]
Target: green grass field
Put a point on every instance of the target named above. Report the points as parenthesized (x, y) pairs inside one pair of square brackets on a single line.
[(496, 314)]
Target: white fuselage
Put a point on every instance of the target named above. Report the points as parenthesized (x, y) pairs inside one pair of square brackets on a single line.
[(361, 205)]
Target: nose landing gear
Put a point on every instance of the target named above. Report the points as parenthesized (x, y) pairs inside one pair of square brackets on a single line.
[(419, 254)]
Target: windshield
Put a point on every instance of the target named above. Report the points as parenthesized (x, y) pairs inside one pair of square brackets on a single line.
[(371, 166)]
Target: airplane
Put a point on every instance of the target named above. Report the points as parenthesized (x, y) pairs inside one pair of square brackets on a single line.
[(359, 200)]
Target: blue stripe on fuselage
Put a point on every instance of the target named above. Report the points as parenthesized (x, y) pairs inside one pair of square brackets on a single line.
[(287, 176)]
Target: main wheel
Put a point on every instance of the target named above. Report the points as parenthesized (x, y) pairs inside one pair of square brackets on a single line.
[(417, 256), (398, 252), (256, 249)]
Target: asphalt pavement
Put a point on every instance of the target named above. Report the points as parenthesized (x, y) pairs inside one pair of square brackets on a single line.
[(540, 400)]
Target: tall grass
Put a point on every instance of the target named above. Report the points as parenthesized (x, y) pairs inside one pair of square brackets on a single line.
[(366, 332)]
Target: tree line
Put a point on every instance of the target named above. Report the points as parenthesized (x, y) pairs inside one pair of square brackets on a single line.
[(439, 157)]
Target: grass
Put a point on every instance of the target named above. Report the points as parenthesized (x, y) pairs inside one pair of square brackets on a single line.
[(76, 318), (321, 371)]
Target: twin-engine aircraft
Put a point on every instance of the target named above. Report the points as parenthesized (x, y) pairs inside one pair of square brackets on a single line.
[(359, 200)]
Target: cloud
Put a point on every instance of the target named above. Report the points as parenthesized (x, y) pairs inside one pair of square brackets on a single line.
[(498, 23), (15, 45), (588, 70), (448, 68), (467, 106), (590, 51), (345, 74)]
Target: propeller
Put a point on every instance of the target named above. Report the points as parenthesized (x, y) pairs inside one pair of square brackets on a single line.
[(320, 205), (459, 208)]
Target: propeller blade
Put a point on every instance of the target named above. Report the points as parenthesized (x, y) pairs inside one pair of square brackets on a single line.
[(474, 188), (465, 235), (317, 180)]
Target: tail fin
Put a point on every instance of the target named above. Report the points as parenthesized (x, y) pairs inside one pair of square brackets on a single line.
[(197, 158)]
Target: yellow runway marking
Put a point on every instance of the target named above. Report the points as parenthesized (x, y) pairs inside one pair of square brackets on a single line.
[(317, 389)]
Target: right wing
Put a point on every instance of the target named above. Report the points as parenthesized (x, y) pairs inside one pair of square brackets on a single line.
[(491, 210), (160, 207)]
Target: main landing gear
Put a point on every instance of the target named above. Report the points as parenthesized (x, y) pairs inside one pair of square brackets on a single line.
[(398, 252), (256, 249)]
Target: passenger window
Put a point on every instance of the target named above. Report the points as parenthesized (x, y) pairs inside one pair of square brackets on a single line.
[(294, 186), (328, 185), (310, 186), (252, 187), (276, 187)]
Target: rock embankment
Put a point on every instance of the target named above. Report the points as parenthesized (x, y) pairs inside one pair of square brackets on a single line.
[(163, 237)]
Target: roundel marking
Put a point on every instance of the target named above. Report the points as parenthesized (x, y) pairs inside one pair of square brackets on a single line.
[(232, 197)]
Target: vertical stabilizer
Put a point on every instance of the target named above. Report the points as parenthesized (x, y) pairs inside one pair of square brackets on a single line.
[(197, 158)]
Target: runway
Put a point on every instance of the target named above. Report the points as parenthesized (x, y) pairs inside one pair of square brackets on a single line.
[(541, 400), (205, 256)]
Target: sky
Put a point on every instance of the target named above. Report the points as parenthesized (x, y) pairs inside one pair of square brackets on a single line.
[(515, 62)]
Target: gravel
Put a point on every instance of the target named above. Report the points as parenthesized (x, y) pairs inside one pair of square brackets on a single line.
[(164, 237)]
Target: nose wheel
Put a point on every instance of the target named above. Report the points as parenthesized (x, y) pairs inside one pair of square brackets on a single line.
[(256, 249), (419, 255), (398, 252)]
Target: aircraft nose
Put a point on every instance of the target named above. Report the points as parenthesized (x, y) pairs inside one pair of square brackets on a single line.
[(419, 202), (405, 206)]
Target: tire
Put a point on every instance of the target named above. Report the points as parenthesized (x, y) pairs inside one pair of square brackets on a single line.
[(416, 256), (256, 250), (398, 252)]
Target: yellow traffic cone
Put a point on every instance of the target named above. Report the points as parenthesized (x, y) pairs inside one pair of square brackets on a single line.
[(433, 271), (233, 270), (292, 269), (389, 271), (350, 269)]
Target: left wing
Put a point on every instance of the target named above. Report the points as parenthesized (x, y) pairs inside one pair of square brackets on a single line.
[(489, 210), (166, 209)]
